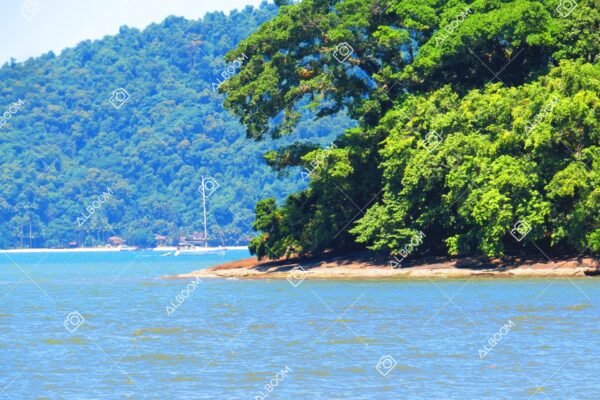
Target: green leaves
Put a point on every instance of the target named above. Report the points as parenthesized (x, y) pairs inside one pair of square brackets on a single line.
[(397, 46), (477, 117), (482, 177)]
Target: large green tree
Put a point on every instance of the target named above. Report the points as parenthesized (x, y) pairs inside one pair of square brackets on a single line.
[(474, 117)]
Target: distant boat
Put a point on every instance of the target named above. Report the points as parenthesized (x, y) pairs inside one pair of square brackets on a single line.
[(128, 248), (191, 249), (164, 249)]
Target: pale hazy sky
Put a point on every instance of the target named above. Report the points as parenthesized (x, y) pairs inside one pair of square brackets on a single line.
[(56, 24)]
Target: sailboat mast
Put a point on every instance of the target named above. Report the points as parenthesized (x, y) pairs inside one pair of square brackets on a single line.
[(204, 213)]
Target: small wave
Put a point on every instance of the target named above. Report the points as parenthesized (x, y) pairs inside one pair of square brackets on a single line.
[(402, 367), (173, 358), (252, 377), (156, 331), (536, 390), (354, 340), (578, 307), (355, 370), (180, 379), (69, 340), (260, 327)]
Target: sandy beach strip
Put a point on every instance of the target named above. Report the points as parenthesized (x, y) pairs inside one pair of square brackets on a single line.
[(366, 266), (105, 249), (73, 250)]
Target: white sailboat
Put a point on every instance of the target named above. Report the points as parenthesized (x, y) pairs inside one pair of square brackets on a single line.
[(191, 249)]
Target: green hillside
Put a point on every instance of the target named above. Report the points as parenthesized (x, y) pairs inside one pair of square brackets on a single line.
[(64, 143)]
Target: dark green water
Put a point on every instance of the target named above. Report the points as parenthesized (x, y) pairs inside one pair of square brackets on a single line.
[(320, 340)]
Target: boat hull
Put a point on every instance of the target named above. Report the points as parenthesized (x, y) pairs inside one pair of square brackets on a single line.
[(201, 251)]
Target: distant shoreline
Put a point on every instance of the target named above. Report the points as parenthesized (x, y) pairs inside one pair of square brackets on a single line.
[(73, 250), (364, 266), (100, 250)]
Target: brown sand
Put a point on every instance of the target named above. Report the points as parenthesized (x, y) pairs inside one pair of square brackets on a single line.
[(369, 266)]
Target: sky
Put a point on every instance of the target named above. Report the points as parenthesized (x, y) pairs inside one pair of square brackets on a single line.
[(33, 27)]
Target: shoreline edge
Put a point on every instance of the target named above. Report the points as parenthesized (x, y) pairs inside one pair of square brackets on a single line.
[(363, 266)]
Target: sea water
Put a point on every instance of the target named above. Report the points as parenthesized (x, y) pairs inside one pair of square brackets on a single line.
[(97, 326)]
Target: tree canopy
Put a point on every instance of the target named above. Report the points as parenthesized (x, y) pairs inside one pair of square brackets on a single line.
[(478, 124)]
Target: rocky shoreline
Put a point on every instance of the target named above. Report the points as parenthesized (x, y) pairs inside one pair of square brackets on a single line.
[(367, 266)]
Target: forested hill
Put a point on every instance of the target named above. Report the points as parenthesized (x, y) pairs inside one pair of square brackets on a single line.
[(67, 138)]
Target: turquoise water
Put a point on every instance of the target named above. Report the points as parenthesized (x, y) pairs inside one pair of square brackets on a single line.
[(231, 339)]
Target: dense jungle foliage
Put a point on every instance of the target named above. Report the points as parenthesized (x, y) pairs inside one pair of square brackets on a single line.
[(478, 124)]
